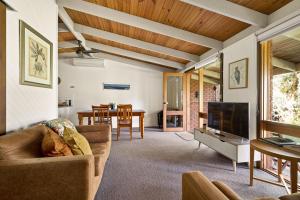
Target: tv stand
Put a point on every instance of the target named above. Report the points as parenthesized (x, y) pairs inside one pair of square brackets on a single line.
[(231, 146)]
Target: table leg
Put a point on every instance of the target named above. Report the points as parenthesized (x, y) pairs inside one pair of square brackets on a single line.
[(234, 166), (251, 165), (142, 125), (89, 121), (294, 176), (80, 119), (279, 169), (140, 122)]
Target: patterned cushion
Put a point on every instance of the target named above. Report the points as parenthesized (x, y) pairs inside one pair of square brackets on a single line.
[(53, 145), (58, 125), (77, 142)]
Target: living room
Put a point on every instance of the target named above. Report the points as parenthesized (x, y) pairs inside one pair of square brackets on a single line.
[(149, 99)]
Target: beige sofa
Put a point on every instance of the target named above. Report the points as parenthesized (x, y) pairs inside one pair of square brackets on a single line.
[(26, 175), (195, 186)]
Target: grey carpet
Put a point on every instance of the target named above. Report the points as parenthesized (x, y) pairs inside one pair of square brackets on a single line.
[(150, 169)]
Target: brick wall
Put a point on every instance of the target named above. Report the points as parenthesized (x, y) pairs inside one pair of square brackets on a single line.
[(209, 96), (194, 105)]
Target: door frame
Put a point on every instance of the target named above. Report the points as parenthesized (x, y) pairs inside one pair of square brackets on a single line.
[(2, 68), (171, 113)]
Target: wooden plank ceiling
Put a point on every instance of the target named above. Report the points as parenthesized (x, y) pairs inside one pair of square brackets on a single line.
[(170, 12)]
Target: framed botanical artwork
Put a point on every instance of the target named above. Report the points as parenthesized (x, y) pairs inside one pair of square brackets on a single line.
[(36, 56), (238, 74)]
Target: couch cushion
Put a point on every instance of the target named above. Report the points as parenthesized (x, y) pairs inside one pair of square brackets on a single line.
[(98, 148), (78, 143), (53, 145), (100, 161), (95, 137), (229, 193), (21, 144), (58, 125), (100, 152)]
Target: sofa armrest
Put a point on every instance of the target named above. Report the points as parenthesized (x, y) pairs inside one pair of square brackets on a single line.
[(226, 190), (95, 133), (58, 178), (293, 196), (195, 186)]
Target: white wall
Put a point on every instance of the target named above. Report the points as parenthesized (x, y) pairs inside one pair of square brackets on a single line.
[(27, 104), (245, 48), (145, 92)]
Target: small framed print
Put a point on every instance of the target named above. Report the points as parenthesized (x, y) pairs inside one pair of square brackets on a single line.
[(36, 56), (238, 74)]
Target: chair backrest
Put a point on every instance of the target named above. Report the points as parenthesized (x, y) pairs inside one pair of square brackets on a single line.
[(124, 112), (101, 113)]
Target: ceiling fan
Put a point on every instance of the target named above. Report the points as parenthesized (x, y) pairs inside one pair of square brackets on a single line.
[(81, 51)]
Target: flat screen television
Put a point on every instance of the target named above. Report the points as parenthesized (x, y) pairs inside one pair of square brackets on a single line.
[(229, 117)]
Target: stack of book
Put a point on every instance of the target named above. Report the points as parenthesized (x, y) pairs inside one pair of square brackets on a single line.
[(286, 143)]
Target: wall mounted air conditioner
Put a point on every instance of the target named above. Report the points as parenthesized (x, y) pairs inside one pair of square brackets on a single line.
[(111, 86), (88, 62)]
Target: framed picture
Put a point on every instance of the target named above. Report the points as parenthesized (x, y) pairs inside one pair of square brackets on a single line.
[(36, 55), (238, 74)]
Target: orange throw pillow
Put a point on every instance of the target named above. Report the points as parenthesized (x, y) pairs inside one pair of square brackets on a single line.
[(53, 145)]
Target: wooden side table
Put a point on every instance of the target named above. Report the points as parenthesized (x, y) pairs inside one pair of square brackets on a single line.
[(280, 153)]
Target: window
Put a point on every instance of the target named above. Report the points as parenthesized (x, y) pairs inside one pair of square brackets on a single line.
[(280, 92)]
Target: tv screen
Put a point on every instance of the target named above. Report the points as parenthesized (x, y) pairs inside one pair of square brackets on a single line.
[(229, 117)]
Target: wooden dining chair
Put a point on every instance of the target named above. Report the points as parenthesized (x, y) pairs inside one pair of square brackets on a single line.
[(101, 115), (124, 113)]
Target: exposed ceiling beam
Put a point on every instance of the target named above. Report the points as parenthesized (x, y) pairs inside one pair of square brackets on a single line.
[(122, 52), (286, 12), (212, 74), (232, 10), (131, 20), (134, 42), (70, 25), (131, 54), (283, 64), (138, 64), (62, 28)]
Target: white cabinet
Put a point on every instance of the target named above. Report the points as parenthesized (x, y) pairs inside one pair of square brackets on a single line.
[(233, 147), (65, 112)]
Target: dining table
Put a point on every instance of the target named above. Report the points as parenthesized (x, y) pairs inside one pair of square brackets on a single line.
[(113, 113)]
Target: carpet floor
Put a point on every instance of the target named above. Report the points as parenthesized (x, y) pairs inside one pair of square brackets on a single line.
[(150, 169)]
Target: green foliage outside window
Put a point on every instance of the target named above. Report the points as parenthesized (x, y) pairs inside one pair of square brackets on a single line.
[(286, 98)]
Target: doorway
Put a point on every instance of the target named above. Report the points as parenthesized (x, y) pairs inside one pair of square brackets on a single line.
[(2, 68), (203, 85), (174, 105)]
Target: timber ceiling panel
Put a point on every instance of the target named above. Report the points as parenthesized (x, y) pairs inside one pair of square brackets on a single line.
[(286, 48), (67, 50), (65, 36), (134, 49), (180, 15), (135, 33), (263, 6)]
